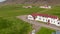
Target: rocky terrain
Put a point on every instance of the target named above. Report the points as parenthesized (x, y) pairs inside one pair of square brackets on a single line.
[(49, 2)]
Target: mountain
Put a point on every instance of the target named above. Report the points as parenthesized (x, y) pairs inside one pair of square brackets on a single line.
[(49, 2)]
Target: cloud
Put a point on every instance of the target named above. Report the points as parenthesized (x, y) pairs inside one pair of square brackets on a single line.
[(2, 0)]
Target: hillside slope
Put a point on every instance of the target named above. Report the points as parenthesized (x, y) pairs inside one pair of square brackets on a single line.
[(51, 2)]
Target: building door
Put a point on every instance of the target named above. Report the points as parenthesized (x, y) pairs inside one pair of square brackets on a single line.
[(48, 22)]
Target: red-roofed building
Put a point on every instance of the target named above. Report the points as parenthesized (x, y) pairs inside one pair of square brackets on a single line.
[(50, 19)]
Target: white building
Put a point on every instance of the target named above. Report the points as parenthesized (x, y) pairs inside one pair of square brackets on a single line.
[(45, 18), (47, 7), (27, 6)]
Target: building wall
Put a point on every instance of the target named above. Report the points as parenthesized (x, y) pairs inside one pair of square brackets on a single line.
[(58, 23), (40, 18), (47, 7), (45, 19), (30, 17)]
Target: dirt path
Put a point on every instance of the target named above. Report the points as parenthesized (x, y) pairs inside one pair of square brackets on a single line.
[(37, 25)]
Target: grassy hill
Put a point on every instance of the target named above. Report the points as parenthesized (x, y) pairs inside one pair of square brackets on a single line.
[(12, 25), (9, 24), (15, 10), (53, 11)]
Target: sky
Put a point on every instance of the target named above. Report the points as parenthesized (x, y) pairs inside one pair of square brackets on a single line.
[(2, 0)]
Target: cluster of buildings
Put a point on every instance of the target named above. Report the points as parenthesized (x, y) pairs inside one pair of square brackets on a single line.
[(50, 19), (46, 7)]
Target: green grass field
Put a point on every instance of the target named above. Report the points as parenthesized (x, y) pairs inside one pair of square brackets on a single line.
[(44, 30), (53, 11), (9, 24), (15, 10), (12, 25)]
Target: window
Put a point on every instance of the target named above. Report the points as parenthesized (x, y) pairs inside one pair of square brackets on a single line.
[(40, 18), (43, 19), (46, 19), (30, 17), (58, 23), (54, 21), (51, 21)]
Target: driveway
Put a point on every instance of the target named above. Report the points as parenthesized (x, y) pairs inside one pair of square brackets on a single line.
[(37, 25)]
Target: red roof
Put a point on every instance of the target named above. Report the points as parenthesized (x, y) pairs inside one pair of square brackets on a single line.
[(44, 15)]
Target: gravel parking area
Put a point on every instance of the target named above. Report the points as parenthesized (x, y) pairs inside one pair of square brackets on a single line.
[(37, 25)]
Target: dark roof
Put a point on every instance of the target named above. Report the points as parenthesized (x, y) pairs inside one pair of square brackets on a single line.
[(44, 15)]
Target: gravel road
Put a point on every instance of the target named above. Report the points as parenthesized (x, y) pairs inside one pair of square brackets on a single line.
[(37, 25)]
